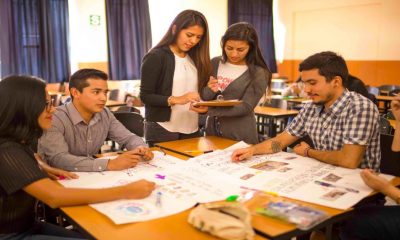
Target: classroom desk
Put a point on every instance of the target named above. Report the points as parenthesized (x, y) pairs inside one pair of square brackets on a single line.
[(112, 103), (98, 226), (196, 146), (269, 116), (385, 100)]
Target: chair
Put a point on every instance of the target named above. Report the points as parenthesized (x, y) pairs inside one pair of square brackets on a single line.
[(56, 99), (394, 92), (126, 109), (385, 89), (390, 161), (113, 94), (384, 126), (134, 122), (373, 90)]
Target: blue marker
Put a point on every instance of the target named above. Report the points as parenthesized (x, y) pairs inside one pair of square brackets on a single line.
[(158, 199)]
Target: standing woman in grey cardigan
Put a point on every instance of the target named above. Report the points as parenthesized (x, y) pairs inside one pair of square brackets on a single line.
[(241, 73)]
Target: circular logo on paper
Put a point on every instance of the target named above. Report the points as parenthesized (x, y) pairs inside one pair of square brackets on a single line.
[(133, 209)]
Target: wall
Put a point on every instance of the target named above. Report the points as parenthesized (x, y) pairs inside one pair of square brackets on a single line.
[(89, 43), (364, 32), (216, 11)]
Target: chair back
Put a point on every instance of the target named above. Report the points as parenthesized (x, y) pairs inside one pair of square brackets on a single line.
[(388, 88), (384, 126), (390, 161), (394, 92), (373, 90), (134, 122), (127, 109)]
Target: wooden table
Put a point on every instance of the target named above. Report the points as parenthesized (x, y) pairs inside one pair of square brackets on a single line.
[(196, 146), (267, 117), (98, 226)]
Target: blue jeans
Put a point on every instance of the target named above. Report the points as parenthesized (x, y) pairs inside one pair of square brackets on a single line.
[(373, 222), (43, 231)]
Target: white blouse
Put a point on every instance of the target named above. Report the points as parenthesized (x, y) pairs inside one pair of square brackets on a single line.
[(185, 80)]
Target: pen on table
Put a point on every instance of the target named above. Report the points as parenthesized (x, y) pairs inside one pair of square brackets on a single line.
[(324, 184), (198, 151), (158, 199)]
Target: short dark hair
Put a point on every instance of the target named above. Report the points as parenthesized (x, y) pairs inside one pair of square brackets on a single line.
[(78, 79), (22, 100), (329, 65)]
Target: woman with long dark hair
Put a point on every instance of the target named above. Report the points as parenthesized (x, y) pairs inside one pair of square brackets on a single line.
[(241, 73), (25, 112), (172, 74)]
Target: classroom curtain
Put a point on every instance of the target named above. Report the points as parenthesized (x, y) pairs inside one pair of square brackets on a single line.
[(259, 14), (129, 37), (34, 38)]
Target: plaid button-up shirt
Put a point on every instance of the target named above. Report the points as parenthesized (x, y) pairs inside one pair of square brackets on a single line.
[(352, 119)]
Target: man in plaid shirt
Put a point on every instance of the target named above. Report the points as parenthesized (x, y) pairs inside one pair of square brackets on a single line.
[(343, 125)]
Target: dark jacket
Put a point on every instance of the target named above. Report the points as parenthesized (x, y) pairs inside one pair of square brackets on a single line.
[(158, 68)]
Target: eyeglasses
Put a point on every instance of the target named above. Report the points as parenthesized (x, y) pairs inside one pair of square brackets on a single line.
[(49, 104)]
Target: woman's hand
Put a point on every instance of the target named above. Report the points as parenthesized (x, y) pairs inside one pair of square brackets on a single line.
[(395, 105), (213, 84), (198, 109), (55, 173), (186, 98), (374, 181)]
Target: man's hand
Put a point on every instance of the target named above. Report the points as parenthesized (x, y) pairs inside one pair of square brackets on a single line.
[(126, 160), (242, 154), (54, 173), (145, 152), (301, 149)]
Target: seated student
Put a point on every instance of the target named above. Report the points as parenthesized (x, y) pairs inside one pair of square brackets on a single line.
[(25, 111), (355, 84), (81, 127), (295, 89), (378, 222), (343, 125)]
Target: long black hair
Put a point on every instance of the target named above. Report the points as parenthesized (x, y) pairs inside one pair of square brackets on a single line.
[(22, 100), (200, 53), (244, 31)]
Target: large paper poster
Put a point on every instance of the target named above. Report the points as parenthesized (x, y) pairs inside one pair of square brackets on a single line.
[(179, 187), (293, 176)]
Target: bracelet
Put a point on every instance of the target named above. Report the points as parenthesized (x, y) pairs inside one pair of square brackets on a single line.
[(306, 151)]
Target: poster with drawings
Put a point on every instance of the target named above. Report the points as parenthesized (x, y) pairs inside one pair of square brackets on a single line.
[(293, 176), (179, 187)]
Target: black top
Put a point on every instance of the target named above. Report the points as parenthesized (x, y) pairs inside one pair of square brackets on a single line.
[(18, 168), (158, 69)]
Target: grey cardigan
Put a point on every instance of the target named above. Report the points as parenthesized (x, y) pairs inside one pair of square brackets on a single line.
[(237, 122)]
